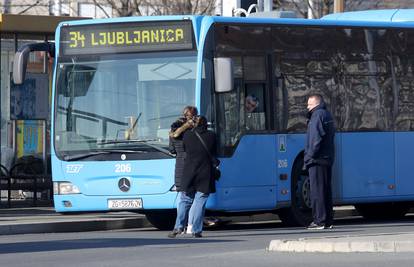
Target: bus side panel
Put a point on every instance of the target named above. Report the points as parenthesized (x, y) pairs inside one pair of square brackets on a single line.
[(337, 194), (404, 171), (288, 148), (248, 179), (295, 143), (367, 165)]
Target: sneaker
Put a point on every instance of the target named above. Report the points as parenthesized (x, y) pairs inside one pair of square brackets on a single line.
[(314, 226), (328, 226), (175, 232), (197, 235)]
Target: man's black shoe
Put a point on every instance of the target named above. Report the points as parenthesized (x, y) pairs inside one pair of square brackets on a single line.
[(175, 232), (315, 226), (197, 235), (328, 226)]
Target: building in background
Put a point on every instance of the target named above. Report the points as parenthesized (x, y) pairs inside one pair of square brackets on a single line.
[(25, 109), (107, 8)]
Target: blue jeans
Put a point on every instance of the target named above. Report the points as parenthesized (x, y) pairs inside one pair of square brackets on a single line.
[(183, 208), (197, 210), (190, 210)]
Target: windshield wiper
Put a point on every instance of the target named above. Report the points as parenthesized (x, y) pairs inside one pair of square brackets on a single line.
[(141, 141), (95, 153)]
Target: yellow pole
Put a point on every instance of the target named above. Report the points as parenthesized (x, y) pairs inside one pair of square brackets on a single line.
[(338, 6)]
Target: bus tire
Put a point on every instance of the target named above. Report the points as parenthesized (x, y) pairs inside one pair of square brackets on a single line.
[(383, 211), (162, 220), (300, 212)]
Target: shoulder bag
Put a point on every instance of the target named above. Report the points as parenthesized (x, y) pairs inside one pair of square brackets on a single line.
[(214, 161)]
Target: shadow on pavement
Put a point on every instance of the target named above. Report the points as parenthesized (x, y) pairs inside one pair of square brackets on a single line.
[(96, 243)]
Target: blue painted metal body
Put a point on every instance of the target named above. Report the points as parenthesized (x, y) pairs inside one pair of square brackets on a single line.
[(369, 167)]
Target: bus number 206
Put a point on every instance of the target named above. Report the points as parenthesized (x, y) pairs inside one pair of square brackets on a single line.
[(122, 168)]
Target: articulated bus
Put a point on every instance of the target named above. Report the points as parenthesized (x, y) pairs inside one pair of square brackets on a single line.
[(119, 83)]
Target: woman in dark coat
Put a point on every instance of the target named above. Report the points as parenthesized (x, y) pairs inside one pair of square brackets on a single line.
[(198, 182), (176, 146)]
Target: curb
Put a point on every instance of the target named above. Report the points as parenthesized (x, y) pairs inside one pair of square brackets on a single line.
[(319, 245), (74, 226)]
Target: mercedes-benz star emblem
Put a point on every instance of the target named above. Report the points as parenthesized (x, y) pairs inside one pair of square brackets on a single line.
[(124, 184)]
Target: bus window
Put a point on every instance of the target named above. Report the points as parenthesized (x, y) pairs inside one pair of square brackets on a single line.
[(254, 109), (243, 109)]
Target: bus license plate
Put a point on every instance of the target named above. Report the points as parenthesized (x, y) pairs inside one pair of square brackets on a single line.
[(115, 204)]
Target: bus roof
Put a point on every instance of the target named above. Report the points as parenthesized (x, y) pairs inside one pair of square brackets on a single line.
[(351, 21), (401, 18), (379, 18), (390, 15)]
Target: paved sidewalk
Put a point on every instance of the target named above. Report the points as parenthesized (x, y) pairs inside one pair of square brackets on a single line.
[(46, 220)]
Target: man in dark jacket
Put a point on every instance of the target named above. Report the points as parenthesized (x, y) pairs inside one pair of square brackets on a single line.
[(319, 157), (198, 182)]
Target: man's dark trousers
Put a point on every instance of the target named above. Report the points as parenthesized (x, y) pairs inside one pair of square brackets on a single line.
[(321, 193)]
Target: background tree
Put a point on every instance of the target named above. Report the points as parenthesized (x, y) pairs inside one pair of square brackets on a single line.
[(125, 8), (319, 8)]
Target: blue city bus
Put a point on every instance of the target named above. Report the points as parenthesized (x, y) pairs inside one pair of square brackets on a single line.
[(119, 83)]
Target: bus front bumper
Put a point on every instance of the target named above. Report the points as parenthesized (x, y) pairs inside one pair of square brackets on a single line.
[(80, 202)]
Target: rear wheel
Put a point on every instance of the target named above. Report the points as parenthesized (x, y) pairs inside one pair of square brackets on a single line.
[(383, 211), (163, 220), (300, 212)]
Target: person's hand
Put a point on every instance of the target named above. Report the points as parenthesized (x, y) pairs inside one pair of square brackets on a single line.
[(190, 123)]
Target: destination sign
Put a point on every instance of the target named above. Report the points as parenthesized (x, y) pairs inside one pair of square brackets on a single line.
[(126, 37)]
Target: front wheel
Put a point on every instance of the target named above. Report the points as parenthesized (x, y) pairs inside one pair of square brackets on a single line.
[(163, 220), (300, 212)]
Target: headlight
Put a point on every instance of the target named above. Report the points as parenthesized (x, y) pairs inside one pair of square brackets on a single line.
[(65, 188)]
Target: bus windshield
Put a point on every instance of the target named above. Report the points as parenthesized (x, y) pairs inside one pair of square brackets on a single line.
[(124, 101)]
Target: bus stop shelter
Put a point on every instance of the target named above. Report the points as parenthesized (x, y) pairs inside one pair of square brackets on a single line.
[(25, 110)]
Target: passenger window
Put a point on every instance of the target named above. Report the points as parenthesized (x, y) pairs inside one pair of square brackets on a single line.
[(243, 109), (254, 107)]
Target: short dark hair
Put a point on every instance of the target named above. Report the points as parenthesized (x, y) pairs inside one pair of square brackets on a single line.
[(318, 97)]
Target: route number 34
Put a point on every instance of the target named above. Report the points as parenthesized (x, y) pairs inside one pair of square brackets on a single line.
[(122, 168)]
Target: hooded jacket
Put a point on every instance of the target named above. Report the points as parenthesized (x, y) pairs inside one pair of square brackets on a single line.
[(319, 146)]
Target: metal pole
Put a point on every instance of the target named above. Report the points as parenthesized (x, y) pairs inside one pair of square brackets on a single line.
[(311, 8), (268, 5), (338, 6)]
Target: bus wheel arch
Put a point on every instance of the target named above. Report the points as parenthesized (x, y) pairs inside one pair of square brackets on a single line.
[(299, 213)]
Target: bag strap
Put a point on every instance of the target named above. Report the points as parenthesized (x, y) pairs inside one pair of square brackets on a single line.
[(203, 144)]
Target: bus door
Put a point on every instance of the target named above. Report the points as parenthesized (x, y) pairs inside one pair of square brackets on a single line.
[(249, 168)]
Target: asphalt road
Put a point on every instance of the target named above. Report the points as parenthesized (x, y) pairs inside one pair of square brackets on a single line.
[(242, 244)]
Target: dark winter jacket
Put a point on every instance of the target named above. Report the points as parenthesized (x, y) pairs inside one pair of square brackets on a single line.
[(319, 146), (197, 167), (176, 146)]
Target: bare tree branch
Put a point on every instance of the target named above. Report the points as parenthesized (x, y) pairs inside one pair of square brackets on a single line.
[(101, 8), (28, 8), (159, 7)]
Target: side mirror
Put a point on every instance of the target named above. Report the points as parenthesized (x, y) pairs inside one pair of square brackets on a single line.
[(22, 56), (223, 74), (20, 64)]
